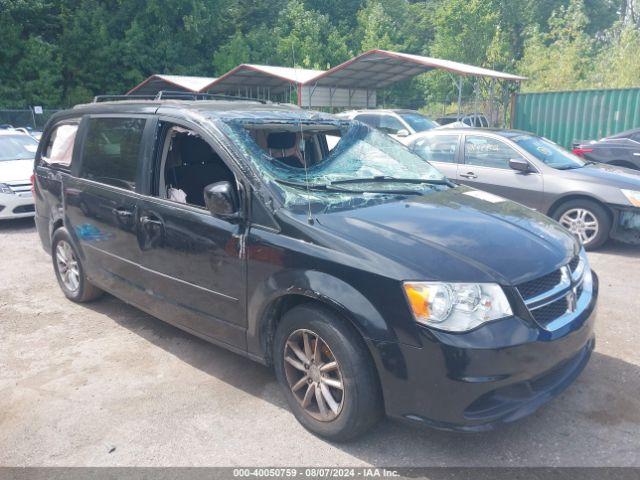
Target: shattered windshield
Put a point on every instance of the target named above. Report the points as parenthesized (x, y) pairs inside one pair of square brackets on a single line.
[(333, 164)]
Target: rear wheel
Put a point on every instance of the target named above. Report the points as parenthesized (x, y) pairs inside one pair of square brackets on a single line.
[(69, 270), (587, 220), (327, 375)]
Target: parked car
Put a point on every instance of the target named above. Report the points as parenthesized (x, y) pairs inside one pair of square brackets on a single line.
[(17, 151), (464, 119), (622, 149), (30, 131), (398, 123), (593, 201), (369, 281)]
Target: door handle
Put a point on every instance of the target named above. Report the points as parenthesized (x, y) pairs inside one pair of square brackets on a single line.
[(151, 232), (150, 221), (469, 175), (122, 213)]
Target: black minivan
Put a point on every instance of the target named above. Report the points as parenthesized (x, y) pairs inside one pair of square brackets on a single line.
[(369, 281)]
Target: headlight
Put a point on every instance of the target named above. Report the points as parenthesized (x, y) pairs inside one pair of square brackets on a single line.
[(456, 307), (4, 188), (633, 196)]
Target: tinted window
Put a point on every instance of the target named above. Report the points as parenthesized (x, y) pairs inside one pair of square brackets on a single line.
[(438, 148), (487, 152), (418, 122), (389, 124), (17, 147), (547, 151), (371, 120), (60, 146), (111, 151)]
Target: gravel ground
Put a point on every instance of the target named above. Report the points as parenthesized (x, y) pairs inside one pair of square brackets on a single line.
[(105, 384)]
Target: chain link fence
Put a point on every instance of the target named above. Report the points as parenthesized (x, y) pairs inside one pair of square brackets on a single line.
[(26, 118)]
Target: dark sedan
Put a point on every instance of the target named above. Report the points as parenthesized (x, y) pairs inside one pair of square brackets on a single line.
[(592, 200), (621, 149)]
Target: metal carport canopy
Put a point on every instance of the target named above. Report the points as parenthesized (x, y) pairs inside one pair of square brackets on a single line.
[(381, 68), (158, 82), (275, 79)]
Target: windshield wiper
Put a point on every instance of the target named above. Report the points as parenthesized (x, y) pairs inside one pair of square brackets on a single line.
[(316, 187), (330, 188), (306, 186), (389, 179)]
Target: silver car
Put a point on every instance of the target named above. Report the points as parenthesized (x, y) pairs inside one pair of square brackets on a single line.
[(594, 201)]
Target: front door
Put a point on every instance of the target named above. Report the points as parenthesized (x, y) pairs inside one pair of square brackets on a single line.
[(485, 166), (194, 263)]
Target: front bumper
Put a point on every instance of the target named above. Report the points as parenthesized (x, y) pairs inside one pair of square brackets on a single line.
[(496, 374), (16, 205), (626, 224)]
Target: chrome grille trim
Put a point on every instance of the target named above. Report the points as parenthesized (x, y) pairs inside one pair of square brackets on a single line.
[(20, 187), (570, 289)]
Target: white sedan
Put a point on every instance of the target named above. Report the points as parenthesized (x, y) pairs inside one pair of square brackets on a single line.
[(17, 151)]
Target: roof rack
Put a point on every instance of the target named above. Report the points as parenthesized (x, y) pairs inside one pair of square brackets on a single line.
[(174, 95)]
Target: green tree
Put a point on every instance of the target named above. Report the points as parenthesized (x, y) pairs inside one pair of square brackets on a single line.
[(618, 64), (309, 37), (561, 58)]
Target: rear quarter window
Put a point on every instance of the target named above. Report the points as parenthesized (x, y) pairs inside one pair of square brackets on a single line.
[(59, 149), (111, 151)]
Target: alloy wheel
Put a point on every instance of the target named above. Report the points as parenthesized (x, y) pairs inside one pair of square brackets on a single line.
[(582, 223), (68, 267), (314, 375)]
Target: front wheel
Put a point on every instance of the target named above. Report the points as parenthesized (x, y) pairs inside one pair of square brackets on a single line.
[(587, 220), (326, 372)]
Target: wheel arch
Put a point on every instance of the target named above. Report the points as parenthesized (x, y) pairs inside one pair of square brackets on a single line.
[(270, 303), (623, 163), (578, 196)]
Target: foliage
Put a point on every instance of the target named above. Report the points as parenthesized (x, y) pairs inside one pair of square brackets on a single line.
[(60, 52), (562, 57)]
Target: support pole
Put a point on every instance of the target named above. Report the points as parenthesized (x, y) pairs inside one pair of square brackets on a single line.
[(491, 101), (460, 95)]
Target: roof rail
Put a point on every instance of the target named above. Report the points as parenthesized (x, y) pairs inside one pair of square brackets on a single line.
[(174, 95)]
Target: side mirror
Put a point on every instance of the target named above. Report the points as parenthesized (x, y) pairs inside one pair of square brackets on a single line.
[(403, 132), (222, 201), (519, 165)]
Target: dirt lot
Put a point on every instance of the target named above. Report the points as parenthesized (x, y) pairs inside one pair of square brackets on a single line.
[(105, 384)]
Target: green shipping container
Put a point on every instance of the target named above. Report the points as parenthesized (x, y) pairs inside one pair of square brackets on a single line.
[(566, 117)]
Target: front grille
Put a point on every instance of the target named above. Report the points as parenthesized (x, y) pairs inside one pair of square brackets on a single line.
[(545, 315), (537, 286), (549, 297), (24, 209), (20, 187)]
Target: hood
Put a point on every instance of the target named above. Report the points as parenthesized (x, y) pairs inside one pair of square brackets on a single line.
[(459, 234), (602, 174), (15, 170)]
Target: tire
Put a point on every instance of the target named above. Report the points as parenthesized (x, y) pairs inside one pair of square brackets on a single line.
[(359, 402), (569, 212), (63, 252)]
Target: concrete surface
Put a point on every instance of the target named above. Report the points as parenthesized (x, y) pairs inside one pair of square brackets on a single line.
[(105, 384)]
